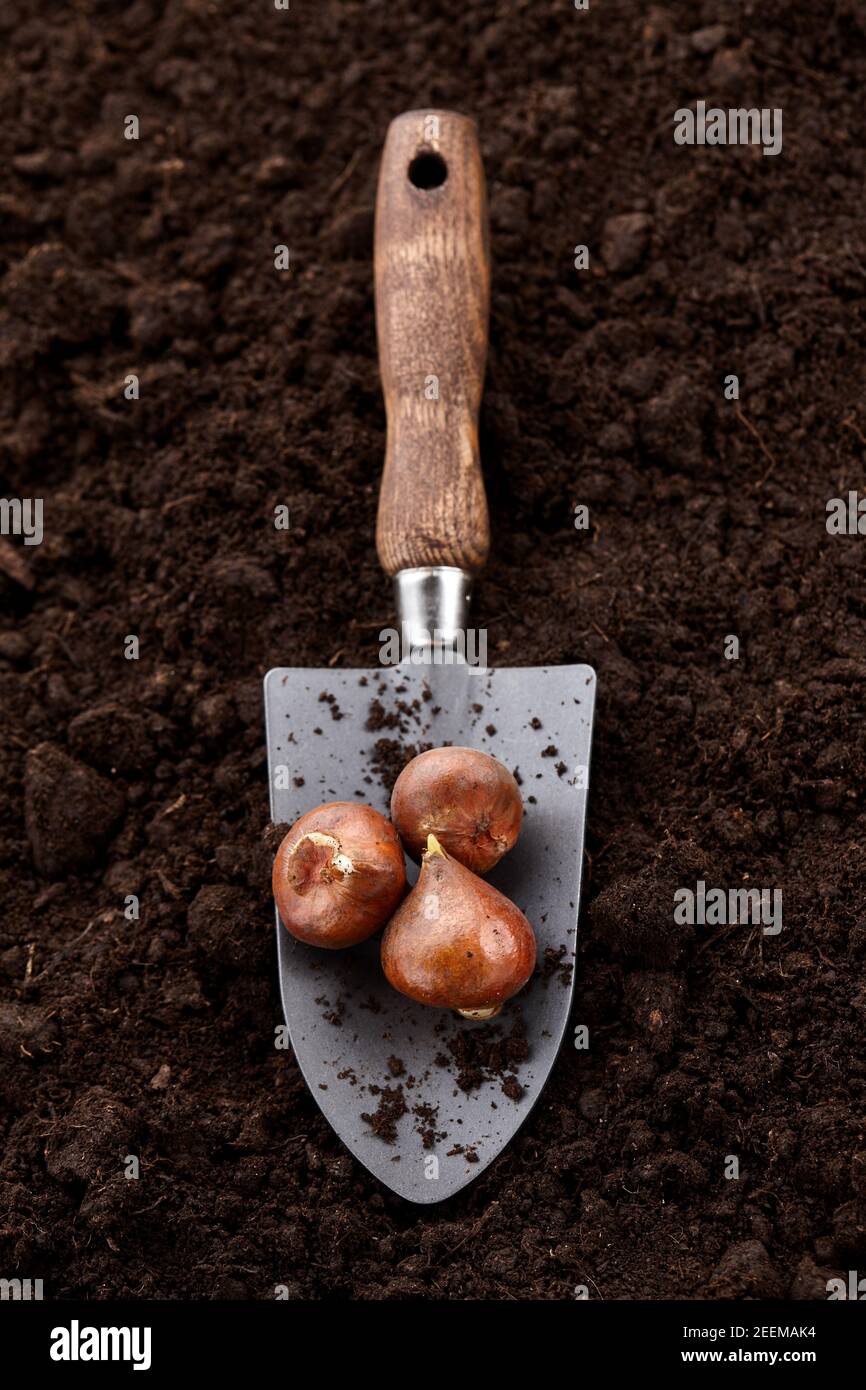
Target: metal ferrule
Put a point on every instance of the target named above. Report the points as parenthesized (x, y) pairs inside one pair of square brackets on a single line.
[(433, 606)]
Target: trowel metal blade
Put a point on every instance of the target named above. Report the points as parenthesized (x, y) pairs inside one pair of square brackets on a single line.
[(346, 1024)]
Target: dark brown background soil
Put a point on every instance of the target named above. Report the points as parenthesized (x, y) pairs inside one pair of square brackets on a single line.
[(605, 388)]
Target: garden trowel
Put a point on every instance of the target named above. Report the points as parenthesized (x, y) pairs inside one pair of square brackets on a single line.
[(423, 1098)]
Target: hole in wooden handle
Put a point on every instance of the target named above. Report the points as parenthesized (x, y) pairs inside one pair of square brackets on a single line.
[(428, 170)]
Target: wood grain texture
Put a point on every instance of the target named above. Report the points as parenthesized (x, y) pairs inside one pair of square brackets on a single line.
[(432, 267)]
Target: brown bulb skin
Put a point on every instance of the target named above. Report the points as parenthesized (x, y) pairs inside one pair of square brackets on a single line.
[(338, 875), (464, 797), (456, 942)]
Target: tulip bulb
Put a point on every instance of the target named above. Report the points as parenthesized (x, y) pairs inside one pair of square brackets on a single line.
[(466, 798), (338, 875), (456, 942)]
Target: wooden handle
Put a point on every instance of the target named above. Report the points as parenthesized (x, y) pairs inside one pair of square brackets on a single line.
[(432, 302)]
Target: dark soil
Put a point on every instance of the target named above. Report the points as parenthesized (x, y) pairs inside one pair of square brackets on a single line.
[(155, 1038)]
